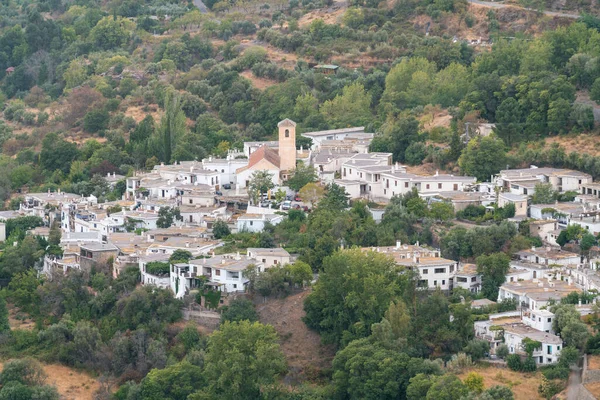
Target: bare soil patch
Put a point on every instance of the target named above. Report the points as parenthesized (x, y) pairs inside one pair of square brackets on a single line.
[(70, 383), (330, 15), (524, 385), (594, 389), (138, 113), (259, 83), (19, 320), (593, 362), (581, 143), (305, 354)]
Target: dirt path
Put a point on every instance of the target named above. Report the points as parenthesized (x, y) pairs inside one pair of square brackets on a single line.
[(71, 384), (305, 354), (492, 4)]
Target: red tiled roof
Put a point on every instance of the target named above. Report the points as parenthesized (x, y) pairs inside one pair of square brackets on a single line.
[(264, 152)]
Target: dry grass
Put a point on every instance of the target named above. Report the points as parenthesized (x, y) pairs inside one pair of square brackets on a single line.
[(71, 384), (593, 362), (19, 320), (524, 385), (305, 354), (331, 15), (594, 389), (582, 143), (259, 83), (138, 113)]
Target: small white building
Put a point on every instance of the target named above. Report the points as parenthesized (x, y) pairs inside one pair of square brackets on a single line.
[(320, 137), (549, 256), (270, 257), (537, 293), (523, 181), (257, 222), (466, 277), (161, 281)]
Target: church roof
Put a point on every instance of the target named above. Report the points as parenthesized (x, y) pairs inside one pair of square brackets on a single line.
[(286, 122), (262, 153)]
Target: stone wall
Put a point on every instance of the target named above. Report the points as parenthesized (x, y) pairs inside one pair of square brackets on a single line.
[(209, 319)]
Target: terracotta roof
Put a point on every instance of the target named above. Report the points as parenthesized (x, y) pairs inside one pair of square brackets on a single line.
[(264, 152)]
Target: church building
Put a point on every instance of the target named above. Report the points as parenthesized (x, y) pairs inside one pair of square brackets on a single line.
[(278, 162)]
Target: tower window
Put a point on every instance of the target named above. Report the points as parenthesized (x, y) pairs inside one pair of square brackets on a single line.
[(287, 133)]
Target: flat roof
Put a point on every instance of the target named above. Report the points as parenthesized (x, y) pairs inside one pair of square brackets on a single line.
[(523, 330), (99, 247), (335, 131), (277, 252)]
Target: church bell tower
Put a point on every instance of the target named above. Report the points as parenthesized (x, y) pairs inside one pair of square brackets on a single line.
[(287, 145)]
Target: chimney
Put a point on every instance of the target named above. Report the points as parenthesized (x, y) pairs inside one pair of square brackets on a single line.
[(187, 244), (108, 174), (162, 164), (204, 260), (398, 244), (437, 172)]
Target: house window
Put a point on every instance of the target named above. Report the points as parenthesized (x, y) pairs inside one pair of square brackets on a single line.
[(439, 185), (427, 186), (474, 279), (395, 183), (425, 272), (456, 186), (235, 286), (251, 223), (443, 282), (384, 191), (439, 270), (275, 262), (452, 268), (549, 319), (217, 272), (557, 348), (549, 360), (405, 184), (287, 133), (549, 349), (434, 283), (191, 201), (222, 171), (264, 260)]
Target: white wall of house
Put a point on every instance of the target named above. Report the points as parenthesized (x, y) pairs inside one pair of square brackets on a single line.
[(436, 276)]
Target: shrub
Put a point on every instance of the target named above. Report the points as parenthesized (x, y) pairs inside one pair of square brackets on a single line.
[(513, 361), (502, 351), (96, 120), (474, 382), (459, 361)]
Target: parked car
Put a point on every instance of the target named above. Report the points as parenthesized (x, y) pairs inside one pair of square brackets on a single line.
[(226, 186), (219, 193), (297, 198), (265, 203), (286, 205)]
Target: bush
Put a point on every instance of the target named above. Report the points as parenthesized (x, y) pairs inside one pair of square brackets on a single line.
[(96, 120), (513, 361), (502, 351), (239, 310), (459, 361), (474, 382), (477, 349)]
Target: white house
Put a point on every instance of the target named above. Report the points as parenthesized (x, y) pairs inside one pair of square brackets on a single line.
[(523, 181), (224, 272), (163, 280), (257, 222), (519, 200), (562, 212), (269, 257), (320, 137), (226, 167), (549, 256), (536, 293), (466, 277)]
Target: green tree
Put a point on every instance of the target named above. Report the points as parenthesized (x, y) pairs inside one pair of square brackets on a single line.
[(441, 211), (483, 157), (57, 154), (311, 193), (493, 269), (166, 217), (180, 256), (175, 382), (112, 32), (447, 387), (239, 310), (364, 370), (241, 358), (260, 182), (351, 108), (221, 229), (4, 325), (543, 194), (352, 293), (302, 175), (419, 386), (171, 128), (509, 117)]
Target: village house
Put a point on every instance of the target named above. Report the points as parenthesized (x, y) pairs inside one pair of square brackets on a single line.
[(226, 167), (321, 138), (523, 181), (270, 257), (466, 277), (562, 212), (250, 222), (543, 229), (459, 200), (589, 223), (512, 331), (96, 256), (548, 256), (224, 273), (434, 271), (536, 293), (519, 200), (162, 281), (589, 201)]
